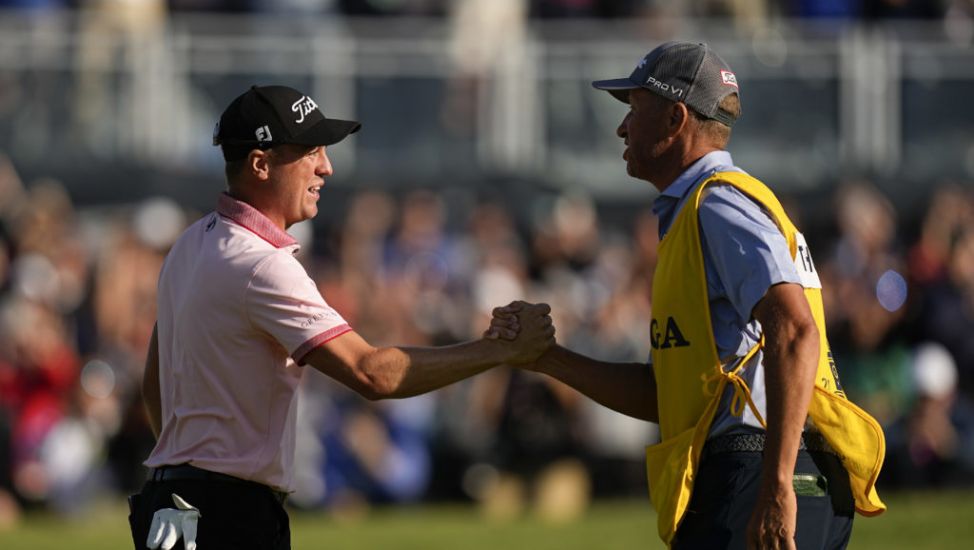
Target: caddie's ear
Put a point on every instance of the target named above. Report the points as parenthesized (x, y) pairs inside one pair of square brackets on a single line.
[(258, 164), (678, 117)]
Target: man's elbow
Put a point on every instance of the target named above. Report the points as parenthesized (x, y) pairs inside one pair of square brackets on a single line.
[(375, 392), (803, 340), (376, 386), (366, 372), (807, 333), (794, 337)]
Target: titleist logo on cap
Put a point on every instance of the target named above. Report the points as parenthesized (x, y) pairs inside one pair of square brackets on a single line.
[(303, 106)]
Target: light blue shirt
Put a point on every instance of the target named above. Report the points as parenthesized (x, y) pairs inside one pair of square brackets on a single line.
[(744, 254)]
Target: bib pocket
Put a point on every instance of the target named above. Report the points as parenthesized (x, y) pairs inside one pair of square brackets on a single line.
[(670, 468), (858, 441)]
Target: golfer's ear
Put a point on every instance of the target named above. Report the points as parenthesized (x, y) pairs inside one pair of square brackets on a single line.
[(258, 163)]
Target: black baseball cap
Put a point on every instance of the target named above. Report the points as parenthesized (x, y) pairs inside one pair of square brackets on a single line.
[(265, 116), (681, 71)]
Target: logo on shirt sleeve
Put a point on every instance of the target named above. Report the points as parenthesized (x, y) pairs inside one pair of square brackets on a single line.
[(804, 264), (326, 314)]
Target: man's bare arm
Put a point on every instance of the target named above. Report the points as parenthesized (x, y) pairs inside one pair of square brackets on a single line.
[(394, 372), (790, 361), (628, 388), (150, 385)]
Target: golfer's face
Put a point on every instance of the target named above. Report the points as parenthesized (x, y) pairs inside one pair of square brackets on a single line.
[(300, 173)]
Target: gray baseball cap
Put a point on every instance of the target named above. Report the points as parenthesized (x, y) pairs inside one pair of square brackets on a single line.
[(681, 71)]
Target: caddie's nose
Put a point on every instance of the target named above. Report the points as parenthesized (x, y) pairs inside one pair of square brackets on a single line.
[(623, 129)]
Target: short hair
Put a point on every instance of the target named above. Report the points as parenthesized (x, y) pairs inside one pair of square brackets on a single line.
[(718, 132), (233, 168)]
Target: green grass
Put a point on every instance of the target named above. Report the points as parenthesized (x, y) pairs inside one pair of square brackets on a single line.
[(921, 520)]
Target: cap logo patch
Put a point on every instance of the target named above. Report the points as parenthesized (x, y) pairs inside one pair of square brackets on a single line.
[(264, 134), (728, 78), (642, 63), (662, 86), (303, 107)]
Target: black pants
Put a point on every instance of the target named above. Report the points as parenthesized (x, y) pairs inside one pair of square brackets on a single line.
[(726, 490), (234, 515)]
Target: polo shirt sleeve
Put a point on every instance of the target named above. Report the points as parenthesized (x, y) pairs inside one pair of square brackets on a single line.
[(747, 251), (283, 301)]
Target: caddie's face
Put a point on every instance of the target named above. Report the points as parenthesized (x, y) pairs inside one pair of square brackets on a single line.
[(299, 173), (642, 130)]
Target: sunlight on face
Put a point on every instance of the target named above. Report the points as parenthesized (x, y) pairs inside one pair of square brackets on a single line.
[(298, 173)]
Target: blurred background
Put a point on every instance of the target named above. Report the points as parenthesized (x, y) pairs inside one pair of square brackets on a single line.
[(487, 170)]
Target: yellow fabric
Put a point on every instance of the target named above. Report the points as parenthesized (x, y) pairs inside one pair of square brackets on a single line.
[(686, 367), (685, 363), (742, 393)]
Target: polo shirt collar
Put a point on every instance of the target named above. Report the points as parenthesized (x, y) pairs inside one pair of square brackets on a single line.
[(707, 163), (251, 219)]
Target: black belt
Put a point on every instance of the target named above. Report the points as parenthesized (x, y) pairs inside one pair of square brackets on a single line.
[(754, 443), (188, 472)]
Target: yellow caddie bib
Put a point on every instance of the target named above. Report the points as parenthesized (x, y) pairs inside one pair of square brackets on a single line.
[(690, 379)]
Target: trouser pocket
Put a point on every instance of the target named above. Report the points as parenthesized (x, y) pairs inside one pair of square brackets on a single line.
[(814, 521)]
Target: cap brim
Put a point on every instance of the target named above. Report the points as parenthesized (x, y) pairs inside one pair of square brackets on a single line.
[(327, 132), (618, 87)]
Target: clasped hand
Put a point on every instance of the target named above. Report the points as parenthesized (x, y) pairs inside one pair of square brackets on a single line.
[(526, 326), (168, 525)]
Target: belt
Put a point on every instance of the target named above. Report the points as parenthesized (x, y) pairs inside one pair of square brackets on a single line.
[(188, 472), (754, 443)]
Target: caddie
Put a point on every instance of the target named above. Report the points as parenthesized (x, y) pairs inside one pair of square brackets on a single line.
[(760, 446)]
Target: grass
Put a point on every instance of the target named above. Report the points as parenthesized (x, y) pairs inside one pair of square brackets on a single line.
[(915, 520)]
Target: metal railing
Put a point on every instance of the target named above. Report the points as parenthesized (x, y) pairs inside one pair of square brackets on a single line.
[(820, 102)]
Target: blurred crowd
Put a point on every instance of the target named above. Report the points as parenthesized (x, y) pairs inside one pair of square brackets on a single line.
[(77, 306), (745, 9), (417, 267)]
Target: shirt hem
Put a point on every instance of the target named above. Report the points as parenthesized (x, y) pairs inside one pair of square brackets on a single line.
[(330, 334)]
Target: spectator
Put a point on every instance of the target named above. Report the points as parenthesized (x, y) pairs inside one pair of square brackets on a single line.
[(869, 346), (931, 445)]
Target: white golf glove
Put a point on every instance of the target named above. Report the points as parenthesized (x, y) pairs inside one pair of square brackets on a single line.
[(169, 524)]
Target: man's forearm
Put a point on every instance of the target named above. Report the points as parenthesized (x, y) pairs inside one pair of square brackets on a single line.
[(407, 371), (789, 371), (628, 388), (398, 371), (790, 363)]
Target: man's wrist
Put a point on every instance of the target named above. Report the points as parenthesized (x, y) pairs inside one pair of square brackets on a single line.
[(777, 479), (495, 351), (548, 362)]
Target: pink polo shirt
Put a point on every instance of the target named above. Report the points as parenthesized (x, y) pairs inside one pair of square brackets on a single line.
[(237, 313)]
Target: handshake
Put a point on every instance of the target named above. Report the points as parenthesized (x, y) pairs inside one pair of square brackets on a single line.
[(525, 330)]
